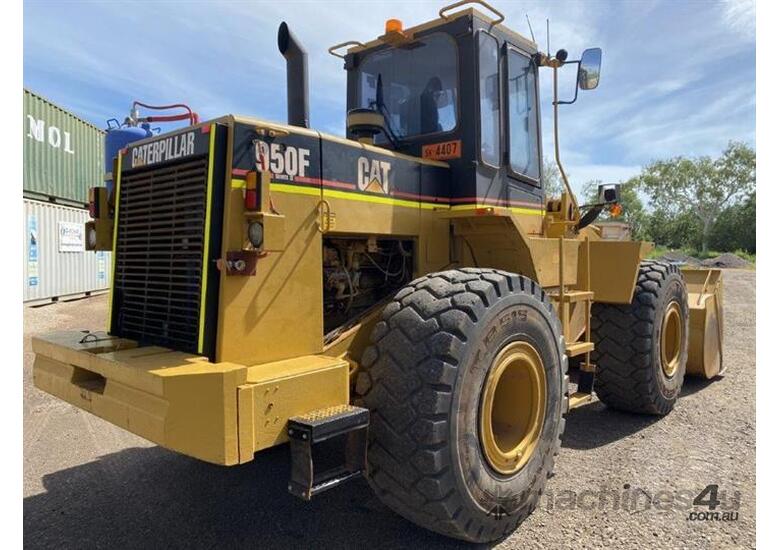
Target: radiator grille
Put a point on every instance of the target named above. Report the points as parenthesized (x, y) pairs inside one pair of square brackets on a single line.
[(159, 254)]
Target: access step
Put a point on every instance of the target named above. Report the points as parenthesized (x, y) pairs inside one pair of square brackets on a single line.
[(333, 439), (578, 348), (578, 399)]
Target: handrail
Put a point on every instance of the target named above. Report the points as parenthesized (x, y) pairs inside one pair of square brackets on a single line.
[(588, 303), (481, 2), (323, 224), (562, 290), (332, 49)]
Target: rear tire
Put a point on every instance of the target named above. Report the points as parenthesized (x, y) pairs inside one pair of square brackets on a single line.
[(425, 378), (642, 348)]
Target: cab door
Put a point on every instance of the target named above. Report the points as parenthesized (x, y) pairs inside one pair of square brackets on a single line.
[(522, 157), (509, 167)]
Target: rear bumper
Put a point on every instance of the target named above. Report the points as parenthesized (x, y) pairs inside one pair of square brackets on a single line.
[(217, 412)]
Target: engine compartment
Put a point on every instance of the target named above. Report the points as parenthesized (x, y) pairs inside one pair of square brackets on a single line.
[(358, 273)]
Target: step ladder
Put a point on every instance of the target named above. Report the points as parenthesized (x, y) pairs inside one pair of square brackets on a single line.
[(565, 299), (336, 436)]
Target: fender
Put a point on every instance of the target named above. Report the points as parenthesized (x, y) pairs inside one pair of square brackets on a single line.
[(494, 237)]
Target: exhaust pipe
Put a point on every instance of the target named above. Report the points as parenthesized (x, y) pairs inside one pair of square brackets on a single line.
[(297, 77)]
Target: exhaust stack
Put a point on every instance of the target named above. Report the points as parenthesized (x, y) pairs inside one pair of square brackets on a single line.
[(297, 77)]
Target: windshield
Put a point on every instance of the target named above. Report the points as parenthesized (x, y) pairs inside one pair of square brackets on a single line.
[(414, 86)]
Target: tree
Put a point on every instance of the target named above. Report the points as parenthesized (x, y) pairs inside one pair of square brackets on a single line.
[(552, 183), (679, 231), (735, 228), (633, 210), (702, 187)]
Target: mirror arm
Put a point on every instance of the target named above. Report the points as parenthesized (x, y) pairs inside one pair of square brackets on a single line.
[(564, 177), (576, 87)]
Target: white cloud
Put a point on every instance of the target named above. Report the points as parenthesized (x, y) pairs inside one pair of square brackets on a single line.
[(740, 16), (677, 78)]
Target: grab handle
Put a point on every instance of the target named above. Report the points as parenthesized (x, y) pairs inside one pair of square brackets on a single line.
[(332, 50), (464, 2)]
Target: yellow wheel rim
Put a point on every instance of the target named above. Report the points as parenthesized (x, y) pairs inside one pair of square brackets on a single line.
[(512, 408), (671, 339)]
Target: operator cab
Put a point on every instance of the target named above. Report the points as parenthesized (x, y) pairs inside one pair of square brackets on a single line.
[(462, 89)]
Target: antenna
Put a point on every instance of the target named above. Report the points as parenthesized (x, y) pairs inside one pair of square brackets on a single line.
[(530, 28), (548, 38)]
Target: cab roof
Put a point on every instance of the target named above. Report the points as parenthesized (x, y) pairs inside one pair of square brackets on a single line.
[(468, 12)]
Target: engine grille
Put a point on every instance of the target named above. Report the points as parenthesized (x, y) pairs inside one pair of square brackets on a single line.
[(159, 254)]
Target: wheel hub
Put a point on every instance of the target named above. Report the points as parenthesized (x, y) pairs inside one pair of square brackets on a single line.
[(512, 408), (671, 339)]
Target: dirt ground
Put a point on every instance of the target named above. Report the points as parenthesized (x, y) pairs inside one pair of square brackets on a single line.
[(89, 484)]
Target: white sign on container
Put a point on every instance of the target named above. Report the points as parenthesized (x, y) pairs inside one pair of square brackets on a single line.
[(71, 237)]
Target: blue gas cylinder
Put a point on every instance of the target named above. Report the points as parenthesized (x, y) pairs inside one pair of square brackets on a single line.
[(117, 138)]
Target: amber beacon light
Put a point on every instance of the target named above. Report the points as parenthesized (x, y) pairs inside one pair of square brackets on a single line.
[(394, 25)]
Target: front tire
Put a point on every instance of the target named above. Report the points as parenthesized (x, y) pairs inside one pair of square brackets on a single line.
[(466, 382), (642, 348)]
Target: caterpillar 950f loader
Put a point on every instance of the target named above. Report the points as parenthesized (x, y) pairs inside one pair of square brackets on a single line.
[(403, 304)]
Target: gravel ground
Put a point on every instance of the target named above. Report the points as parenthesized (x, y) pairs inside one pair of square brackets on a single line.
[(89, 484), (727, 260)]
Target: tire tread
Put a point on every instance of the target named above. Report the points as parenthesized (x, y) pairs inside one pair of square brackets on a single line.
[(407, 379), (624, 339)]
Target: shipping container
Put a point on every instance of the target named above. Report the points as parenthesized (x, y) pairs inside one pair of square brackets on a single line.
[(63, 155), (55, 262)]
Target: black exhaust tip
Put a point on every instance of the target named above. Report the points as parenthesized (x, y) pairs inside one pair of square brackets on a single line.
[(297, 77), (283, 37)]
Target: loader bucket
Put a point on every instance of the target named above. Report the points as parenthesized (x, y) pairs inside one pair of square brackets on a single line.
[(705, 329)]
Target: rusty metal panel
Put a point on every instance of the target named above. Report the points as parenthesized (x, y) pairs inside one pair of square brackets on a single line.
[(63, 155), (55, 262)]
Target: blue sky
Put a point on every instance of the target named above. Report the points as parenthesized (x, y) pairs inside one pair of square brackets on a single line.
[(678, 77)]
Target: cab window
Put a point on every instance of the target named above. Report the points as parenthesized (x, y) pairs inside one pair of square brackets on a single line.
[(415, 87), (489, 108), (522, 115)]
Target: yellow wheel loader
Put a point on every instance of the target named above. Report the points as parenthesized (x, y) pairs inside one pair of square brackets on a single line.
[(403, 303)]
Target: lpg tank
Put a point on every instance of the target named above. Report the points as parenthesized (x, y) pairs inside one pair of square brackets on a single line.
[(117, 138)]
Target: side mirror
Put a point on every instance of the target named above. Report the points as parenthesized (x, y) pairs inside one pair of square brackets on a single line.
[(589, 69), (609, 193)]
